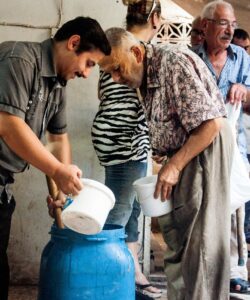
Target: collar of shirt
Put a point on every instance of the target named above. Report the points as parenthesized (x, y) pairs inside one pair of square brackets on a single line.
[(48, 66), (232, 71), (201, 51), (152, 74)]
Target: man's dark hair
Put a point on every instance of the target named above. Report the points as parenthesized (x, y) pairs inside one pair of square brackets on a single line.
[(90, 31), (241, 34)]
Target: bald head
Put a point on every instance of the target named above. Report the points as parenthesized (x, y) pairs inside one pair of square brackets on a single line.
[(125, 63), (119, 37)]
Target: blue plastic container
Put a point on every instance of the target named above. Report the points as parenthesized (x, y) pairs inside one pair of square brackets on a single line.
[(92, 267)]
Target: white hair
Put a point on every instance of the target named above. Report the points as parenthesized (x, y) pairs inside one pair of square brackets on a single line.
[(210, 8), (118, 37)]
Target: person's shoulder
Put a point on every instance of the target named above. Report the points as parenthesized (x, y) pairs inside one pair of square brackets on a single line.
[(197, 48), (239, 52), (170, 48), (27, 51), (181, 52), (170, 51), (236, 48)]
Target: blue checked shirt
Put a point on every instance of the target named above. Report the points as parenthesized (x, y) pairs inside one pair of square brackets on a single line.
[(236, 70)]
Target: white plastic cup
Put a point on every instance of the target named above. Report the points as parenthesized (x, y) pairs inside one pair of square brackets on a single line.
[(151, 207), (89, 210)]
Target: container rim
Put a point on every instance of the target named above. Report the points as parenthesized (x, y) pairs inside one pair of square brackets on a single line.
[(100, 186), (139, 182)]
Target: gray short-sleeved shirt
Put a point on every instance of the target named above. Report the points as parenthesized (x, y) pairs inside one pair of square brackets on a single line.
[(30, 89)]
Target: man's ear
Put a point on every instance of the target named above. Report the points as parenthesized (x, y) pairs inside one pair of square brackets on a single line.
[(136, 50), (73, 42)]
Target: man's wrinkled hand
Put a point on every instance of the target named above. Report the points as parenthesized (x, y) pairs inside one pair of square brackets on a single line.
[(168, 177), (52, 204)]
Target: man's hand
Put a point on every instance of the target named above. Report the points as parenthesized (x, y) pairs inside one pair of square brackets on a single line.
[(167, 178), (200, 138), (237, 93), (52, 204), (67, 179)]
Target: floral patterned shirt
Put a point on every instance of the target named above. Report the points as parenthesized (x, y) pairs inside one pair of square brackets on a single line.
[(180, 95)]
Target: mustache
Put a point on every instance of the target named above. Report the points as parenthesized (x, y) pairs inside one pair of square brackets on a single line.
[(227, 37)]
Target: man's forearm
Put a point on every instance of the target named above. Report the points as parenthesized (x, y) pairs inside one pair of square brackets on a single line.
[(198, 141), (22, 140)]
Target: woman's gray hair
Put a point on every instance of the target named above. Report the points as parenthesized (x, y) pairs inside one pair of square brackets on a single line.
[(210, 8), (119, 37)]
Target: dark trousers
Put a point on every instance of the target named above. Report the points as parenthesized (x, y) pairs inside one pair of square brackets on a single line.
[(6, 210)]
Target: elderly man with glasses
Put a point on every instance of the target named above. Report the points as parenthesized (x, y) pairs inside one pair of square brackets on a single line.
[(230, 67)]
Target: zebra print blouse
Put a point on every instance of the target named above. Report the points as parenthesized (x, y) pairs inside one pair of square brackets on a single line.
[(119, 131)]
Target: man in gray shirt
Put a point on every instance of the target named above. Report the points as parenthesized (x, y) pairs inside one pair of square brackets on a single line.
[(33, 77)]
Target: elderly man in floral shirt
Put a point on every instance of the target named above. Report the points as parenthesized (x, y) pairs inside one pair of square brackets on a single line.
[(185, 113)]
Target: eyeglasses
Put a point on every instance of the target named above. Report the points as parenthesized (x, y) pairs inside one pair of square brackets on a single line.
[(224, 23), (195, 32), (151, 9)]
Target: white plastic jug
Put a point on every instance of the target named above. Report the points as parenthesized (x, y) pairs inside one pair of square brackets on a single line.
[(239, 180), (151, 207), (89, 210)]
